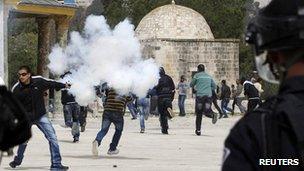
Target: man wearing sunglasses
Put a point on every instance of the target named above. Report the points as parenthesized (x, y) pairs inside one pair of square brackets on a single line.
[(30, 91), (271, 136)]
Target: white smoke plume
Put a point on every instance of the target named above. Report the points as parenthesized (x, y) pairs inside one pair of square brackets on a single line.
[(104, 55)]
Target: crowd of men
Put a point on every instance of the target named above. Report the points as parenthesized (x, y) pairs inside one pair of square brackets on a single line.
[(29, 90)]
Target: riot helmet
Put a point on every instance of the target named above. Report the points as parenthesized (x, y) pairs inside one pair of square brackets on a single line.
[(277, 27)]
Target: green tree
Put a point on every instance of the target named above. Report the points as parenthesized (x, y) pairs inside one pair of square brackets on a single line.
[(25, 25), (22, 51), (22, 45), (116, 12), (139, 8), (97, 7)]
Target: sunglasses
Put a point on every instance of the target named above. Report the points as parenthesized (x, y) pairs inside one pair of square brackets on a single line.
[(22, 74)]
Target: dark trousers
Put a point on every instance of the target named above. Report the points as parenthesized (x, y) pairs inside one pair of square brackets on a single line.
[(238, 101), (67, 117), (73, 109), (111, 117), (181, 104), (233, 104), (252, 104), (83, 115), (214, 101), (153, 105), (202, 106), (163, 104)]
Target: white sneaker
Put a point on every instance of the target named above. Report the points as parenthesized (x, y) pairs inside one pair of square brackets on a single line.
[(171, 113), (110, 152), (95, 148)]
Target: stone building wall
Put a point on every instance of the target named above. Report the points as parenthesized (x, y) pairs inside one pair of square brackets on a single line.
[(181, 57)]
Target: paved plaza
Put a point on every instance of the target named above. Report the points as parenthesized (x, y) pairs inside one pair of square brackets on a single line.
[(181, 150)]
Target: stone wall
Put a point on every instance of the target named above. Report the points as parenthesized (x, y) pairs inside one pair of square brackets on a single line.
[(181, 57)]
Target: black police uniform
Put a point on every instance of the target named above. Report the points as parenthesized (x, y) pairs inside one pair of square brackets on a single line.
[(14, 124), (273, 131)]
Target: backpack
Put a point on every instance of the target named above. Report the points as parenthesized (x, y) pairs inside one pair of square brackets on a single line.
[(15, 127)]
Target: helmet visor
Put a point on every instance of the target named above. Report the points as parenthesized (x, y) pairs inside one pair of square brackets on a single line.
[(264, 69)]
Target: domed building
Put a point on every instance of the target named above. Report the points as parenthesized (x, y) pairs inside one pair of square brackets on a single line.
[(174, 22), (180, 38)]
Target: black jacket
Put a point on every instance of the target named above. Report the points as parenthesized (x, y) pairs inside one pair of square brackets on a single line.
[(250, 91), (66, 97), (225, 92), (165, 87), (14, 124), (273, 131), (31, 96)]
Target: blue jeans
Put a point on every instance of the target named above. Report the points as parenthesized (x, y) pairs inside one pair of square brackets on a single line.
[(143, 105), (132, 109), (111, 117), (224, 106), (73, 109), (181, 105), (47, 129)]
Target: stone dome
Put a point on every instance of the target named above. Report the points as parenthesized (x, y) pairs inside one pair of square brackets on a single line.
[(173, 22)]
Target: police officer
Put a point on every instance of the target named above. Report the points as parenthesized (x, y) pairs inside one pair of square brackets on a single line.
[(271, 137), (15, 127)]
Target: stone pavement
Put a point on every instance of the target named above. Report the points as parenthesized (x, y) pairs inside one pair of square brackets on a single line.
[(179, 151)]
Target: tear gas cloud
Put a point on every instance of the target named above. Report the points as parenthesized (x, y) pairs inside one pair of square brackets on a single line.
[(104, 55)]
